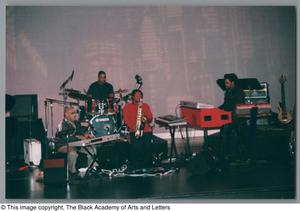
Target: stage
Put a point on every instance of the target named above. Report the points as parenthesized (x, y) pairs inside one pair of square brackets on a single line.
[(265, 177), (86, 76)]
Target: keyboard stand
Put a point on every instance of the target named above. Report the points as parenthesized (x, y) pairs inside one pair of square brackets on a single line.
[(95, 160), (173, 145), (172, 129)]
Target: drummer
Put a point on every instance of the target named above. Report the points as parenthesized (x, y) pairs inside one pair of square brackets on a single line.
[(100, 89)]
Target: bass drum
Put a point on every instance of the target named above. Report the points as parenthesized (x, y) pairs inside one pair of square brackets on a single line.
[(102, 125)]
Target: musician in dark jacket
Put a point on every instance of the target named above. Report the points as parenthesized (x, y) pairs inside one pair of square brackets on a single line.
[(233, 95), (70, 130)]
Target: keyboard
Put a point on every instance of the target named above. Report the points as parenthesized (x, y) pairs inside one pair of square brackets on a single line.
[(170, 120), (95, 141)]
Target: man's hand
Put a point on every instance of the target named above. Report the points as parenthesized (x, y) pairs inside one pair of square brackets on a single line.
[(144, 119), (85, 136), (88, 135)]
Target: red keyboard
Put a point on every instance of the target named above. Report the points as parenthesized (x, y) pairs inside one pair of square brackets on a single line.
[(205, 117)]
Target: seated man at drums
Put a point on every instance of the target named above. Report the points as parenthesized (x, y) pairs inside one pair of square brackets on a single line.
[(69, 130), (101, 90), (137, 117)]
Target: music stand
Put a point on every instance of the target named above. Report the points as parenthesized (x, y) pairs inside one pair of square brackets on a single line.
[(243, 83)]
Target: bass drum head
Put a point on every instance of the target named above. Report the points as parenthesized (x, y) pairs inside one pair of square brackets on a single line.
[(102, 125)]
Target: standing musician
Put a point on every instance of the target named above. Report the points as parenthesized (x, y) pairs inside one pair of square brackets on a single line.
[(138, 113), (233, 95), (70, 130)]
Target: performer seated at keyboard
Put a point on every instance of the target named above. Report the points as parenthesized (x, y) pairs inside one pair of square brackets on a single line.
[(141, 155), (233, 95), (70, 130)]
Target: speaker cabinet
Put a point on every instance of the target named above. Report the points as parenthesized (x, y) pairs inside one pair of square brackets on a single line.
[(12, 151), (55, 171), (199, 165), (159, 148), (26, 107), (113, 155), (271, 144)]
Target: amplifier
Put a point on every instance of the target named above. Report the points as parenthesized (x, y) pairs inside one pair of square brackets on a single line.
[(55, 171), (26, 107), (245, 109), (257, 96)]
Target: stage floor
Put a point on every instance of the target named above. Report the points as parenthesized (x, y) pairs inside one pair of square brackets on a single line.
[(260, 179)]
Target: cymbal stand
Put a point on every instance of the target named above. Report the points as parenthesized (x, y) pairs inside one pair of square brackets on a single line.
[(65, 97), (51, 113), (46, 115), (46, 103)]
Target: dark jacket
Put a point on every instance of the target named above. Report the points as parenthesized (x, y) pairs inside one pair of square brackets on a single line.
[(67, 133), (232, 97)]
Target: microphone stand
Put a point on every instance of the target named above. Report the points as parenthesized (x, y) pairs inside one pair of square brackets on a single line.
[(46, 116), (65, 96), (63, 85)]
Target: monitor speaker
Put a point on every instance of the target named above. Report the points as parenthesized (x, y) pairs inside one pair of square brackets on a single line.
[(55, 171)]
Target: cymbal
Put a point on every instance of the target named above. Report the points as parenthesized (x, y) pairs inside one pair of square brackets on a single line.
[(78, 96), (121, 91), (60, 102), (72, 91), (116, 100)]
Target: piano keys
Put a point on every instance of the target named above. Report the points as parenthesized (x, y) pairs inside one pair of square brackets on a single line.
[(244, 110), (170, 120), (94, 141)]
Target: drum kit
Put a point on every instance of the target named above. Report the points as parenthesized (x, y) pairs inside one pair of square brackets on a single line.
[(101, 117)]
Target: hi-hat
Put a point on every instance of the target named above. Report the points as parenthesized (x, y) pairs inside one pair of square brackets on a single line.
[(77, 96)]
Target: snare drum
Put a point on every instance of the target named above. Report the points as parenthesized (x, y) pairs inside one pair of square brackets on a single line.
[(102, 125)]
